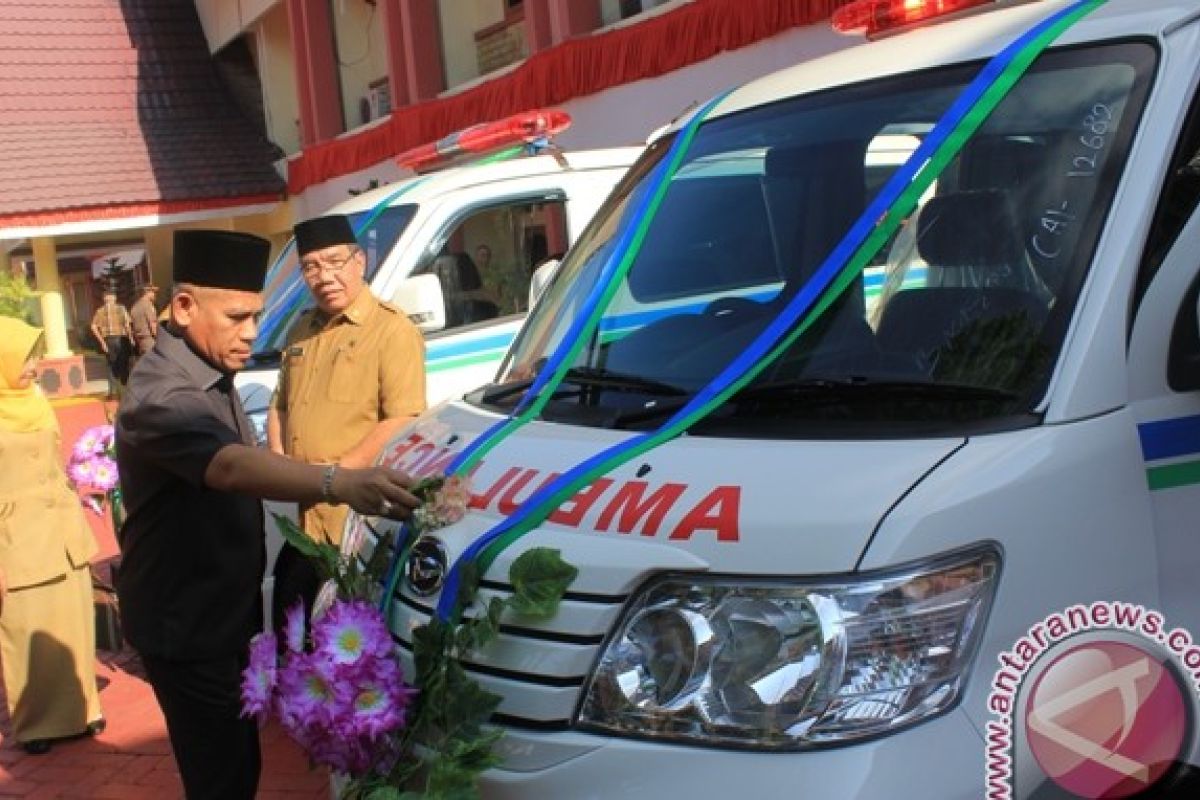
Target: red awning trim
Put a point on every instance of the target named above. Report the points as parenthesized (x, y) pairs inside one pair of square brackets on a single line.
[(44, 219), (575, 68)]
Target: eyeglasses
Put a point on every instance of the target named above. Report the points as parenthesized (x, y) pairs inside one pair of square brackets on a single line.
[(313, 268)]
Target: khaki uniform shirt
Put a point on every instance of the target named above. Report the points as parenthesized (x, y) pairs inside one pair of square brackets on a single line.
[(142, 318), (111, 319), (43, 533), (340, 378)]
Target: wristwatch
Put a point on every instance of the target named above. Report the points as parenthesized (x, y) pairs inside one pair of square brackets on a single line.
[(327, 484)]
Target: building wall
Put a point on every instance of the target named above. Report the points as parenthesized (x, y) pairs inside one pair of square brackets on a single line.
[(361, 51), (460, 19), (622, 115), (277, 70), (224, 20), (628, 114)]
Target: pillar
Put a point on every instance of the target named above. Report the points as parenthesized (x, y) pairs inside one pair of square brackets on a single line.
[(537, 25), (158, 242), (414, 40), (317, 85), (570, 18), (54, 320)]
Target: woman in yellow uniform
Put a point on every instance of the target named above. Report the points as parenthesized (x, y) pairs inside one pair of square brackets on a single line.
[(47, 622)]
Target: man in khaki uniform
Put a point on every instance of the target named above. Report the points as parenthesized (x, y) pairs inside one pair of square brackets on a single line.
[(143, 319), (110, 326), (353, 375)]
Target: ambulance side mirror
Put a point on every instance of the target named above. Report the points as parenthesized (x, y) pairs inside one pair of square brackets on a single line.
[(421, 298), (541, 279)]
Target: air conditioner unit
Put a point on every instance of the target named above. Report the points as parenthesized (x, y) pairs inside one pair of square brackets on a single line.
[(380, 97)]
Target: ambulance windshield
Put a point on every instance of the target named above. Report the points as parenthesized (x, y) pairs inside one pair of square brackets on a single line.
[(957, 320)]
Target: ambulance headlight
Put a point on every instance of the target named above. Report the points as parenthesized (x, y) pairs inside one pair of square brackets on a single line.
[(784, 665)]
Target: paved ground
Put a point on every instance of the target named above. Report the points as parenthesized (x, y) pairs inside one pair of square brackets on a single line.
[(132, 759)]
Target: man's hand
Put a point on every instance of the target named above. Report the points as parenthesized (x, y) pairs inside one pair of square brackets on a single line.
[(377, 491)]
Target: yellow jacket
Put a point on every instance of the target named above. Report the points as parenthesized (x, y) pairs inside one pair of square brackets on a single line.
[(43, 532)]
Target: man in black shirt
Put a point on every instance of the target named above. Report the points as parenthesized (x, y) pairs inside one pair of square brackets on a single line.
[(192, 545)]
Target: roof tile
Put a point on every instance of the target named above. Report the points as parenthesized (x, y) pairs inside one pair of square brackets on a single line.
[(107, 102)]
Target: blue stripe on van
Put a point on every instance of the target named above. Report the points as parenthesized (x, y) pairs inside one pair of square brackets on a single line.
[(1170, 438), (459, 347)]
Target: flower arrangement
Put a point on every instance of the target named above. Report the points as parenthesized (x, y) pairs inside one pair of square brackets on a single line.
[(342, 697), (343, 694), (92, 469)]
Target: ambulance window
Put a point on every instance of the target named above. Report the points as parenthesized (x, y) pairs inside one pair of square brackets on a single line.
[(695, 250), (382, 234), (1179, 199), (485, 262)]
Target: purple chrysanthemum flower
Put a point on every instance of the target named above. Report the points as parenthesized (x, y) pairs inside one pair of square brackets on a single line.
[(104, 473), (342, 700), (350, 630), (308, 690), (87, 445), (82, 472), (259, 677), (350, 756), (378, 709), (293, 628), (107, 435)]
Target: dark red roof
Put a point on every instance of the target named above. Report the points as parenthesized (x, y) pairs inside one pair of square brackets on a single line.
[(108, 103)]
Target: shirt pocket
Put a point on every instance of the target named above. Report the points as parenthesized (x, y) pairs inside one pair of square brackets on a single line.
[(293, 365), (348, 378)]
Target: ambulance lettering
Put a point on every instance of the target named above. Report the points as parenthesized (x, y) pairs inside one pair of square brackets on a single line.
[(632, 507)]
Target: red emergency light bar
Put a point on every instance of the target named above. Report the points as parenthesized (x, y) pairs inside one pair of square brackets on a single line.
[(882, 16), (524, 128)]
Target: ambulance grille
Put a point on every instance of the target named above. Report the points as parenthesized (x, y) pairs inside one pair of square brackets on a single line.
[(538, 668)]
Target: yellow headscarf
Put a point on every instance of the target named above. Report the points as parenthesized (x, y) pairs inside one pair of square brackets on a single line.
[(21, 410)]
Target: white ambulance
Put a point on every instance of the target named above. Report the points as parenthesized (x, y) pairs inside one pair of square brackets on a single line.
[(809, 587), (457, 248)]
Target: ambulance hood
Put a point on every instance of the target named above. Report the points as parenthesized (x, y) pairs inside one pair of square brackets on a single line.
[(695, 503)]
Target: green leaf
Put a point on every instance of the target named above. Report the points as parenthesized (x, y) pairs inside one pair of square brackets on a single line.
[(15, 296), (480, 629), (475, 755), (468, 584), (467, 704), (388, 793), (451, 780), (539, 578), (431, 646), (297, 538), (381, 556)]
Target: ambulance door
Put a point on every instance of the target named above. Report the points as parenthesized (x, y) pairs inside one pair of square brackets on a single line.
[(1164, 370), (483, 259)]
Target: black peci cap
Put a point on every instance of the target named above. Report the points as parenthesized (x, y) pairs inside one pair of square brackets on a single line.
[(221, 259), (321, 232)]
